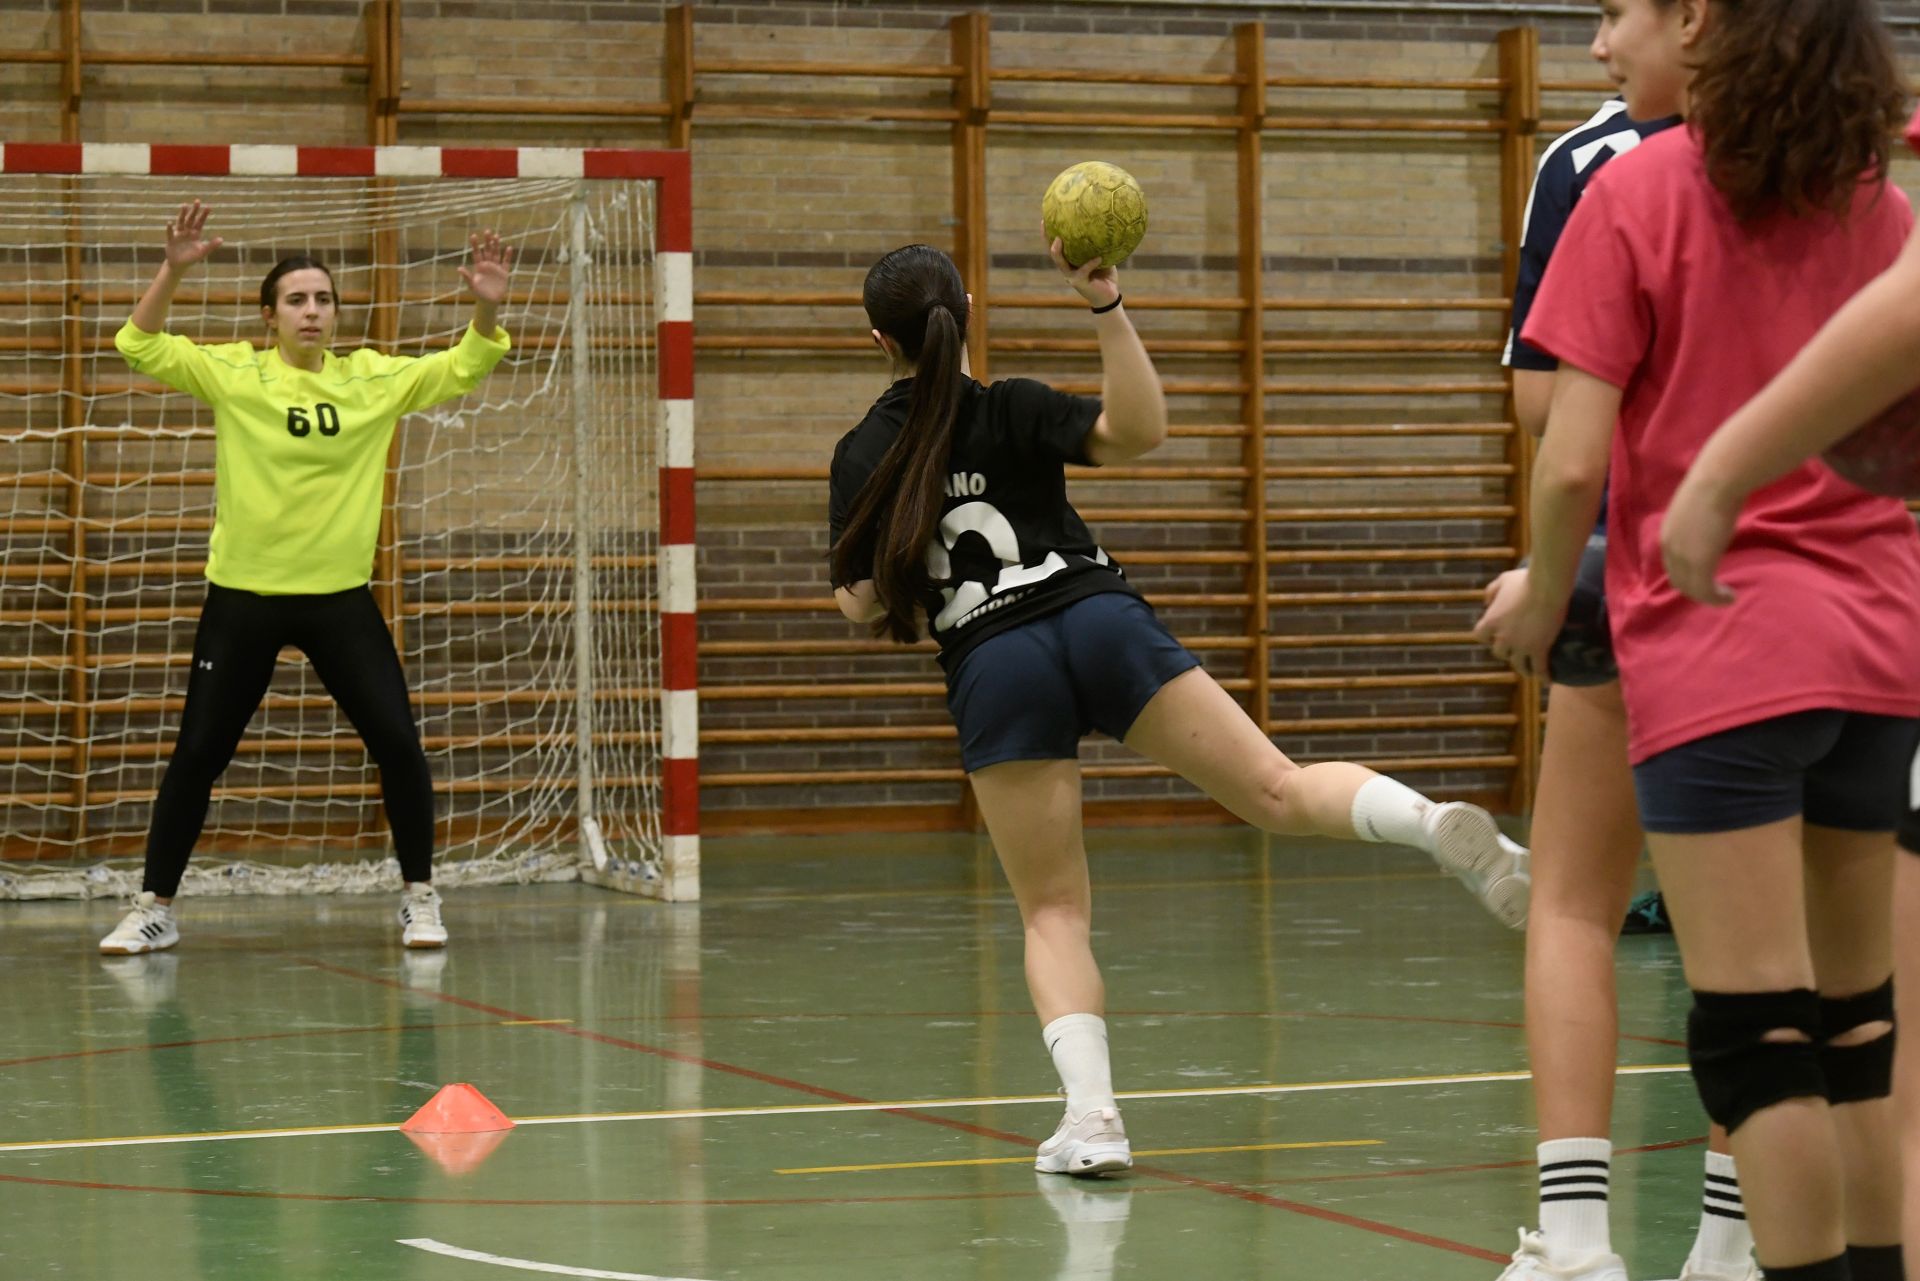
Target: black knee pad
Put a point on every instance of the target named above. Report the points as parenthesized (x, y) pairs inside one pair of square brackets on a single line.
[(1736, 1069), (1857, 1073)]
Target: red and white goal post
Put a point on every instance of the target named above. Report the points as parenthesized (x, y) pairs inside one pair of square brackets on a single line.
[(536, 559)]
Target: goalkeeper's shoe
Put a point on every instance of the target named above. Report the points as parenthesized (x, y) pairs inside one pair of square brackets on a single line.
[(147, 927)]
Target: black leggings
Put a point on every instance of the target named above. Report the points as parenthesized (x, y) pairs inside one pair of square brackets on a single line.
[(239, 637)]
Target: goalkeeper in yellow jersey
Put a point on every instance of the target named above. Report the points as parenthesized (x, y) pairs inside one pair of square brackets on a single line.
[(301, 437)]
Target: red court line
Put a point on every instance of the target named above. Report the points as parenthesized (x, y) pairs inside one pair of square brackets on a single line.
[(601, 1038), (337, 1198), (675, 1018), (145, 1046), (1326, 1215), (1431, 1170), (1175, 1184), (1222, 1189)]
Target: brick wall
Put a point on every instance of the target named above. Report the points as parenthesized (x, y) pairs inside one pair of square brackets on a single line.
[(807, 205)]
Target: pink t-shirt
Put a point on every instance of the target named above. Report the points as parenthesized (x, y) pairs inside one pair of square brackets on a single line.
[(1657, 289)]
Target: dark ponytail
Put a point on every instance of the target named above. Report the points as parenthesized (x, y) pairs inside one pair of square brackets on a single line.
[(915, 297), (1796, 103)]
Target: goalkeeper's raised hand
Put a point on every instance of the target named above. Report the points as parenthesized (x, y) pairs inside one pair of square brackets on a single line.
[(487, 277), (186, 245)]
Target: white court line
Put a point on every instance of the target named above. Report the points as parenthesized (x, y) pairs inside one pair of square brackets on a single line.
[(809, 1109), (527, 1265)]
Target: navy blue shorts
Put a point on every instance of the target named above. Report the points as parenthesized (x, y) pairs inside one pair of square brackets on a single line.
[(1846, 770), (1910, 825), (1032, 692), (1582, 653)]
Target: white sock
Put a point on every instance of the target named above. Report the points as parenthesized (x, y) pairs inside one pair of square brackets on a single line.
[(1390, 812), (1078, 1044), (1725, 1239), (1574, 1178)]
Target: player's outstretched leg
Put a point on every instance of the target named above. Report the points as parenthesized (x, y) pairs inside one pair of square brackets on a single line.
[(1197, 730)]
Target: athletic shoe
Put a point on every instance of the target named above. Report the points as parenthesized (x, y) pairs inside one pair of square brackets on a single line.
[(1466, 841), (1699, 1271), (147, 927), (1531, 1262), (420, 918), (1648, 915), (1086, 1146)]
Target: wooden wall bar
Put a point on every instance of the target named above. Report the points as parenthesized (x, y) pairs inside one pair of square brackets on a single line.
[(1250, 419)]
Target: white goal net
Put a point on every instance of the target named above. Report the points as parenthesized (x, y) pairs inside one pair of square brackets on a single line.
[(518, 560)]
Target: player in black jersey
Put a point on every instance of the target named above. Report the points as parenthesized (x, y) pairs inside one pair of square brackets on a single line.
[(950, 498)]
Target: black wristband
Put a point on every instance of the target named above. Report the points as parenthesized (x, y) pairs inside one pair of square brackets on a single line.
[(1101, 311)]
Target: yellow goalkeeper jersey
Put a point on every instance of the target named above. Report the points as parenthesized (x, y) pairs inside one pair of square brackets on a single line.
[(299, 458)]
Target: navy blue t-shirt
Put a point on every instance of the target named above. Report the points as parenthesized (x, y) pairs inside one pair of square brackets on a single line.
[(1565, 170)]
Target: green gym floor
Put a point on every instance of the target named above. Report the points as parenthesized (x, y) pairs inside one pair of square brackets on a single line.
[(826, 1071)]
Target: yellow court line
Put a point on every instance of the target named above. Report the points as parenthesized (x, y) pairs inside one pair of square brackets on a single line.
[(1023, 1160), (806, 1109), (532, 1022)]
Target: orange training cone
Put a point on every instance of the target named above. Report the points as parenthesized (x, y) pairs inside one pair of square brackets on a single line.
[(457, 1109)]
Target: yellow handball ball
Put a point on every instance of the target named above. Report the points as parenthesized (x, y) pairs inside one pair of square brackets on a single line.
[(1095, 210)]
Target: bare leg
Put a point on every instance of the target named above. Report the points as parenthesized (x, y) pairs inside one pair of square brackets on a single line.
[(1849, 882), (1739, 913), (1196, 729), (1906, 1089), (1586, 842), (1032, 810)]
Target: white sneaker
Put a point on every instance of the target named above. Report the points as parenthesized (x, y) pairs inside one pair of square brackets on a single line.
[(420, 924), (1466, 841), (1696, 1270), (147, 927), (1086, 1146), (1531, 1262)]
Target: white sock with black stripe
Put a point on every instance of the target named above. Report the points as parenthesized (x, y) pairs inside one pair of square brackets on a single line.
[(1725, 1240), (1574, 1178)]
